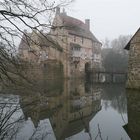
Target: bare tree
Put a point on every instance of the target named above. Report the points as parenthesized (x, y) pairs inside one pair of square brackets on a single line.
[(15, 16), (9, 122), (115, 58), (12, 120)]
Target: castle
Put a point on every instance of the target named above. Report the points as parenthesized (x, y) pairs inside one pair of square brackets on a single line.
[(69, 41)]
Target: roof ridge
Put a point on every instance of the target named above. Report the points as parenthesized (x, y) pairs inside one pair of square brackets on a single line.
[(127, 47), (77, 27)]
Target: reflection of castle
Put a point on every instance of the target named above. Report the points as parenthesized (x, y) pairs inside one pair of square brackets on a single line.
[(133, 126), (69, 112)]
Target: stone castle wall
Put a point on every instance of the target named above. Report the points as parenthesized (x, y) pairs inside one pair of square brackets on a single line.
[(134, 63), (51, 69), (85, 54)]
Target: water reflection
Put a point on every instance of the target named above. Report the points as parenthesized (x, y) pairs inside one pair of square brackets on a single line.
[(71, 109), (133, 106), (114, 96), (68, 112), (113, 115)]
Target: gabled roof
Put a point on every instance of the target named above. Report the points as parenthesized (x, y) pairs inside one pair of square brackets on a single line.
[(127, 47), (24, 43), (77, 27), (43, 40)]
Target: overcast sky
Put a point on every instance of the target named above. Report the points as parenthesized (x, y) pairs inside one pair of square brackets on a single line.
[(109, 18)]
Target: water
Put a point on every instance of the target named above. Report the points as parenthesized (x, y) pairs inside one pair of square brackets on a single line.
[(70, 110)]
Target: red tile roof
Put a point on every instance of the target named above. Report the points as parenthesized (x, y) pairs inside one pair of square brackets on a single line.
[(77, 27)]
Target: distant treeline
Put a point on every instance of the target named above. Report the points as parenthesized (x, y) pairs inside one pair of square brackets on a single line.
[(115, 58)]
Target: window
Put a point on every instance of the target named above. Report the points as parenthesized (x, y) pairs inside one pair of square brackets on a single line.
[(82, 40), (75, 66), (76, 48), (74, 38)]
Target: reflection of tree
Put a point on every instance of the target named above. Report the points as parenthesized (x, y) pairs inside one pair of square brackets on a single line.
[(12, 121), (114, 95), (9, 122), (56, 106), (65, 122), (99, 134)]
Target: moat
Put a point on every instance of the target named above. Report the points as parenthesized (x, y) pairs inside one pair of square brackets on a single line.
[(70, 110)]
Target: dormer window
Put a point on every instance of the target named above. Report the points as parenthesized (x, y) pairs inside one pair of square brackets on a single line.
[(75, 48)]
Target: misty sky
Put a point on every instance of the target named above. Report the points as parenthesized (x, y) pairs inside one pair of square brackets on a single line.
[(109, 18)]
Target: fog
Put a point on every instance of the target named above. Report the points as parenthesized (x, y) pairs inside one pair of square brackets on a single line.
[(109, 18)]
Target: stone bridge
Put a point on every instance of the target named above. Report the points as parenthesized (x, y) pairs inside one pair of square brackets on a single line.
[(111, 75)]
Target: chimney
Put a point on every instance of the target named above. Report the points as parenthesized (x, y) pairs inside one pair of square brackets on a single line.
[(87, 22), (57, 10), (64, 12)]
